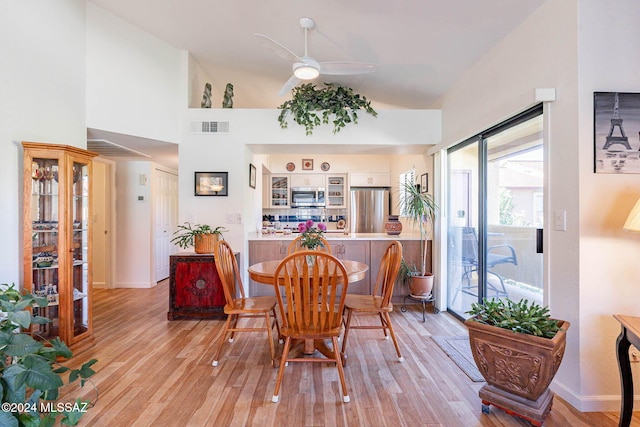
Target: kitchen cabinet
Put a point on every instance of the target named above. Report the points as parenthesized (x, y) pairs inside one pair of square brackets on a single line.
[(370, 179), (308, 180), (195, 289), (336, 191), (355, 250), (265, 250), (279, 190), (57, 260)]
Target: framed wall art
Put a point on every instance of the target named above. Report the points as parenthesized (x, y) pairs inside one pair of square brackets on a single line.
[(211, 184), (252, 176), (616, 134), (307, 164), (424, 183)]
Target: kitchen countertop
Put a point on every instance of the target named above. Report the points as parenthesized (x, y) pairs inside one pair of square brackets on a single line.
[(340, 236)]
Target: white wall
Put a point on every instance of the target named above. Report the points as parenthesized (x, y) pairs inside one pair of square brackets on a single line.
[(609, 269), (567, 45), (135, 82), (42, 98), (134, 226)]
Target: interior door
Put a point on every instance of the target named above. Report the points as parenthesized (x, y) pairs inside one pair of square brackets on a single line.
[(165, 218)]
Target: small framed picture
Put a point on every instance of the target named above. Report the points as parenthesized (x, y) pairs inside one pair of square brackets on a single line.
[(424, 183), (211, 184), (252, 176), (307, 164)]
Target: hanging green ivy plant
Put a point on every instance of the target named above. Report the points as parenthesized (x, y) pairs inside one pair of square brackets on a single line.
[(311, 107)]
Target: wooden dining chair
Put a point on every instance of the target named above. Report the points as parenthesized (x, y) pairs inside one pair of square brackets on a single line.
[(295, 246), (379, 302), (311, 300), (238, 306)]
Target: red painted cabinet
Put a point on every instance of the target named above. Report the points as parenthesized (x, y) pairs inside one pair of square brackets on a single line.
[(195, 290)]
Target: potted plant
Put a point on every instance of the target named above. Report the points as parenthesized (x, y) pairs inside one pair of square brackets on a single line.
[(311, 107), (30, 376), (518, 348), (201, 236), (421, 209)]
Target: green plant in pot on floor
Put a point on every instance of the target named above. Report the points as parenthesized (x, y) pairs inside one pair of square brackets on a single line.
[(30, 376), (421, 209), (518, 348)]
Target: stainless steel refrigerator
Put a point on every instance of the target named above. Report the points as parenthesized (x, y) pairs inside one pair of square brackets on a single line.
[(369, 209)]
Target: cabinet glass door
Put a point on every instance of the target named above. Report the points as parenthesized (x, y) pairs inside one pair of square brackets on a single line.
[(44, 238), (279, 191), (336, 190), (80, 247)]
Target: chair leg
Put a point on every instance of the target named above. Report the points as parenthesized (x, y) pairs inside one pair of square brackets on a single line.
[(235, 326), (345, 393), (347, 325), (283, 361), (222, 339), (384, 326), (393, 335), (268, 325), (275, 321)]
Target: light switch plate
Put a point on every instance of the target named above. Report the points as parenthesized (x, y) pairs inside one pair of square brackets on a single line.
[(560, 221)]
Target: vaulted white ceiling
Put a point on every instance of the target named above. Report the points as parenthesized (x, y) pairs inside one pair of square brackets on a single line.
[(420, 46)]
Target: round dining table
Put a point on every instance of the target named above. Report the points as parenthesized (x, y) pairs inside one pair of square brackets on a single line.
[(263, 272)]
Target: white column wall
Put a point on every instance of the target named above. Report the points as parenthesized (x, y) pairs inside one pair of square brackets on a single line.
[(42, 98)]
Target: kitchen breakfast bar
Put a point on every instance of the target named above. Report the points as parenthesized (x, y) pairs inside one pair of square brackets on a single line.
[(366, 248)]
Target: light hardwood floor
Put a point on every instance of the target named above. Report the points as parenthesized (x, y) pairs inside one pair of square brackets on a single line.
[(155, 372)]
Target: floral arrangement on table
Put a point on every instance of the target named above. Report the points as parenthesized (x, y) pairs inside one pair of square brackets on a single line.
[(311, 234)]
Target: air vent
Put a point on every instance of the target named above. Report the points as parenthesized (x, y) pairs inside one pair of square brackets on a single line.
[(209, 127)]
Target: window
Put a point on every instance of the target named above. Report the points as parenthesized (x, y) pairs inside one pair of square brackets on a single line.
[(408, 177)]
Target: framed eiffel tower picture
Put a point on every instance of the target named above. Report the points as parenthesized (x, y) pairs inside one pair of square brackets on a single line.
[(616, 134)]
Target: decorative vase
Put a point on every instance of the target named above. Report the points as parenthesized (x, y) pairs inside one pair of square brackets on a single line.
[(421, 285), (311, 260), (393, 226), (204, 243)]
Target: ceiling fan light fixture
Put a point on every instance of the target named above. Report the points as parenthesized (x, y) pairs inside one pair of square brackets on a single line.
[(305, 71)]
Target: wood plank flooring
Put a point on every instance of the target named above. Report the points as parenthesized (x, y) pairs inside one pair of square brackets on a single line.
[(155, 372)]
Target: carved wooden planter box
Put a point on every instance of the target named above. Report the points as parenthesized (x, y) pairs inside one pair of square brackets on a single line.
[(518, 368)]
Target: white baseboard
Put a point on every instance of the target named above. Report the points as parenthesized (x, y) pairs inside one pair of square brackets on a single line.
[(597, 403)]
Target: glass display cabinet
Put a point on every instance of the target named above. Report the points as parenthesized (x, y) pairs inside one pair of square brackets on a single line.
[(57, 239)]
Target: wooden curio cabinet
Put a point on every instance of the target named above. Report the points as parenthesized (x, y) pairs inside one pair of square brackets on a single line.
[(57, 236)]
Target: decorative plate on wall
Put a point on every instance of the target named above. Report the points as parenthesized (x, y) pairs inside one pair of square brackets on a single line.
[(291, 166), (325, 166)]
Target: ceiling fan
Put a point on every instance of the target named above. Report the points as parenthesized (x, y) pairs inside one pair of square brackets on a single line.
[(306, 67)]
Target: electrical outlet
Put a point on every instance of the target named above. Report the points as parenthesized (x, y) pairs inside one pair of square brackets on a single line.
[(635, 356)]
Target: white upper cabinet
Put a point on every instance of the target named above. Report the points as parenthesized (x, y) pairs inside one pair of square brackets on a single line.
[(370, 179), (308, 180)]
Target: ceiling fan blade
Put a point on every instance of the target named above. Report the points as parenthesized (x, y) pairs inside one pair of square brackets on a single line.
[(277, 48), (342, 68), (290, 84)]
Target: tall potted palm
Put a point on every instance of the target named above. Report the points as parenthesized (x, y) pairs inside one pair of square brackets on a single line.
[(421, 209)]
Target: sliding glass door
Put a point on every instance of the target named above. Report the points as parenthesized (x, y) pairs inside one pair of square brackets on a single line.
[(495, 214)]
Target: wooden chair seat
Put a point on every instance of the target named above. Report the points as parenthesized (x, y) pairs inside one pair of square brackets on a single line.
[(366, 303), (238, 305), (251, 305), (379, 302)]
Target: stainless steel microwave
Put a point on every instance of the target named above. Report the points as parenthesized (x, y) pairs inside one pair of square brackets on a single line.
[(307, 197)]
